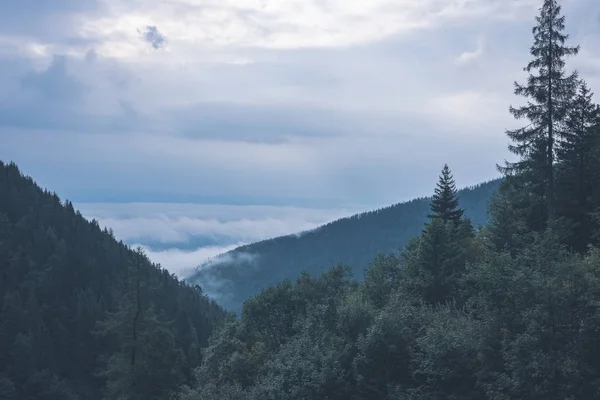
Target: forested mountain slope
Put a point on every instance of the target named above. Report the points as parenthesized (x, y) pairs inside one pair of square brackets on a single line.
[(354, 241), (81, 314), (510, 311)]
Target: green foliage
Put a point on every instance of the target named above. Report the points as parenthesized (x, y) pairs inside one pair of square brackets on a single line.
[(147, 363), (354, 241), (156, 372), (549, 91), (578, 170), (7, 389), (445, 356), (433, 265), (500, 325), (60, 275), (508, 311), (444, 204), (381, 278)]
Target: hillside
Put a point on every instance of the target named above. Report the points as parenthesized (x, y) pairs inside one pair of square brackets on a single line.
[(70, 294), (354, 241)]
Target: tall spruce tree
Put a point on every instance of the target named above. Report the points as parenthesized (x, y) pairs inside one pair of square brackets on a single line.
[(444, 205), (549, 91), (578, 165)]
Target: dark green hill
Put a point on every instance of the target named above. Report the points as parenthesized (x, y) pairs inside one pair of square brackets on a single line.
[(59, 275), (354, 241)]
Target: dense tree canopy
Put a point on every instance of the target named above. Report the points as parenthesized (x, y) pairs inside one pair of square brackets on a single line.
[(63, 280)]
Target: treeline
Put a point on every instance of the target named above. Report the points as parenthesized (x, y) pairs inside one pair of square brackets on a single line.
[(83, 316), (508, 311), (499, 313), (352, 241)]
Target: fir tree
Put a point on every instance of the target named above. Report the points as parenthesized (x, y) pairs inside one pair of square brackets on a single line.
[(579, 138), (578, 165), (444, 204), (549, 91), (432, 266)]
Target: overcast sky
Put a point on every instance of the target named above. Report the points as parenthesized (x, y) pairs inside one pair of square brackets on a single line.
[(296, 104)]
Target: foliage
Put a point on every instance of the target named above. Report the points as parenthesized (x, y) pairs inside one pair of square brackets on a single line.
[(549, 91), (354, 241), (444, 204), (60, 276), (508, 311)]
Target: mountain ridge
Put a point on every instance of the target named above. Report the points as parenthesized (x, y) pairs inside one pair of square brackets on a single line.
[(238, 274), (63, 277)]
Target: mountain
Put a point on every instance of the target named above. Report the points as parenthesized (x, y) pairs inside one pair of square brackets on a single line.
[(75, 304), (355, 241)]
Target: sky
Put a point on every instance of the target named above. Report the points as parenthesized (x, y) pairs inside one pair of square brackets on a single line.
[(191, 126)]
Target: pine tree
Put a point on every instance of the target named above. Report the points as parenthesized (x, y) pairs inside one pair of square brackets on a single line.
[(549, 91), (444, 205), (578, 165)]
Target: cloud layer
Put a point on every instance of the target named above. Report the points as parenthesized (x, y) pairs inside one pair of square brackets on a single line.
[(182, 236), (172, 223), (337, 104)]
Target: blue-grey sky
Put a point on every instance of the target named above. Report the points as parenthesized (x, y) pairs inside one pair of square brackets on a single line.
[(301, 105)]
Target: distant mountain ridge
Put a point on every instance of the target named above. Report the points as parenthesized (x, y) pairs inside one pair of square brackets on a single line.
[(355, 241)]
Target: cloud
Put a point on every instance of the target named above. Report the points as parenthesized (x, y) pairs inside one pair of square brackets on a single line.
[(53, 84), (182, 237), (156, 224), (183, 263), (112, 26), (49, 19), (297, 23), (213, 284), (340, 104), (151, 35), (238, 257), (470, 106), (469, 56)]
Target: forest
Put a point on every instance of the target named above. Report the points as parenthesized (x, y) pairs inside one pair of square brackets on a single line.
[(353, 241), (83, 316), (509, 310)]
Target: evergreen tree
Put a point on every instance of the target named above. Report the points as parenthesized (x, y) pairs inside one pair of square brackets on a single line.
[(578, 166), (549, 91), (444, 204), (147, 364), (431, 268)]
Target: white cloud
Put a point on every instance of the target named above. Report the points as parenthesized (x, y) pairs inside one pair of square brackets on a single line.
[(181, 262), (171, 223), (469, 56), (473, 108), (226, 227), (191, 25)]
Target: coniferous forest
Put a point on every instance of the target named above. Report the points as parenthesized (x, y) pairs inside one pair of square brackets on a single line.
[(353, 241), (506, 311), (83, 316)]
